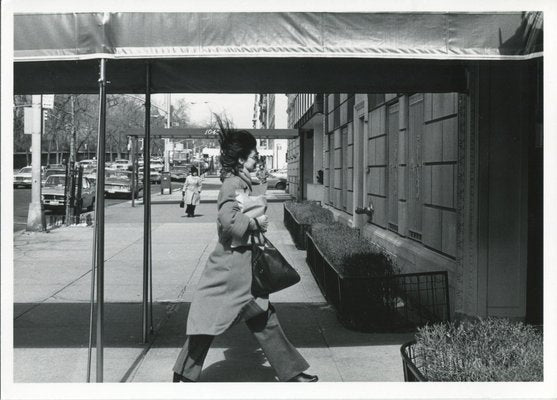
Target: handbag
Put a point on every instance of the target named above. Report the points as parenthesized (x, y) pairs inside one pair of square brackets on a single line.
[(270, 270), (181, 204)]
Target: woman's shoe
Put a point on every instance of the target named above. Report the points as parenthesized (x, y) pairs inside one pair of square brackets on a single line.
[(304, 378), (179, 378)]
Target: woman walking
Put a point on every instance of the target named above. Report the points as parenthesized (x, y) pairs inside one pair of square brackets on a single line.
[(191, 192), (223, 296)]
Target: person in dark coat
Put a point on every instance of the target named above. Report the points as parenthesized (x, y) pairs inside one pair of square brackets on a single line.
[(223, 296), (191, 191)]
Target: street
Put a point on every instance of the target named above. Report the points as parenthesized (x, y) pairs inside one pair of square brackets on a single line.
[(22, 198)]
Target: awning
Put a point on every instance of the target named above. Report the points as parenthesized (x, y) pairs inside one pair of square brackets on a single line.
[(265, 52)]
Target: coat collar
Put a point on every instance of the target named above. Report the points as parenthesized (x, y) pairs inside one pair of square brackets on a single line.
[(243, 176)]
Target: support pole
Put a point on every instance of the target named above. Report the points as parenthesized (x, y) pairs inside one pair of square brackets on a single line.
[(99, 219), (35, 212), (146, 202), (134, 170)]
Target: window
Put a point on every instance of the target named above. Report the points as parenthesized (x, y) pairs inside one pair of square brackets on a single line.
[(415, 184), (392, 175)]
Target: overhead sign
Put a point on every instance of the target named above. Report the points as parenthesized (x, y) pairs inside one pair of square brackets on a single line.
[(204, 133), (48, 101)]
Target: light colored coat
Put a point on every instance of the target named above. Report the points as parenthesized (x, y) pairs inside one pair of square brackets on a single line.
[(192, 189), (224, 289)]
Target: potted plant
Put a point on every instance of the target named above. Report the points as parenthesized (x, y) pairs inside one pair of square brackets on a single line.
[(479, 350), (300, 216), (368, 293)]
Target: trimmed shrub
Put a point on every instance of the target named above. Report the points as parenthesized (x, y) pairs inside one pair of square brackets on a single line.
[(309, 212), (350, 254), (483, 350)]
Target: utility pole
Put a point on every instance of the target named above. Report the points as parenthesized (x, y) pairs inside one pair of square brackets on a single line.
[(166, 140), (70, 190), (35, 213)]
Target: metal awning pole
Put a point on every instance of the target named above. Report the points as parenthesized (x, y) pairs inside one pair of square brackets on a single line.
[(146, 201), (99, 219), (134, 172)]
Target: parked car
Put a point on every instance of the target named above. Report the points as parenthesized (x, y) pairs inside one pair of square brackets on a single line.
[(157, 164), (88, 164), (122, 164), (276, 183), (155, 175), (179, 173), (54, 171), (91, 174), (118, 182), (53, 198), (280, 173), (23, 177), (54, 166)]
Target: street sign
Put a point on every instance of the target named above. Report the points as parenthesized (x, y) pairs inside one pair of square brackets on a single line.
[(48, 101), (31, 120)]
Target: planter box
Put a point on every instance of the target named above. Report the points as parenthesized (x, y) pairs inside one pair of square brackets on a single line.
[(297, 230), (381, 304), (409, 367)]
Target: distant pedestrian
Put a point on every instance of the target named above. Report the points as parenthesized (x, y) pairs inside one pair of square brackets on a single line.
[(262, 174), (191, 192), (223, 295)]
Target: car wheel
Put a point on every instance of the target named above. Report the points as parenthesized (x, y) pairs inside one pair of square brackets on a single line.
[(280, 186)]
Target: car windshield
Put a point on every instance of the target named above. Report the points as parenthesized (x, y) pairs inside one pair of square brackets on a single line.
[(180, 169), (55, 181), (54, 172), (118, 175), (26, 170)]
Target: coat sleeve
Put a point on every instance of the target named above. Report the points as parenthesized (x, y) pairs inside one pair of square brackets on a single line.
[(233, 222)]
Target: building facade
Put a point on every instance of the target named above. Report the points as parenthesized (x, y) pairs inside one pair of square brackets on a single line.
[(264, 117), (451, 181)]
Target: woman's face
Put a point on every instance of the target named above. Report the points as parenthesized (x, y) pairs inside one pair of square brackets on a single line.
[(251, 162)]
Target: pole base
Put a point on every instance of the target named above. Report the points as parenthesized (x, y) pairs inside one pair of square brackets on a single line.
[(35, 218)]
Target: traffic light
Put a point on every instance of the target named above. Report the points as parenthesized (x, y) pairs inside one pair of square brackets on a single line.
[(45, 115)]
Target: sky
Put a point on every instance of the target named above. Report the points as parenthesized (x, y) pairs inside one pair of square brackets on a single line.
[(238, 107)]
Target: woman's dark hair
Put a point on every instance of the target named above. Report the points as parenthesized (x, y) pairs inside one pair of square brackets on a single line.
[(193, 170), (234, 144)]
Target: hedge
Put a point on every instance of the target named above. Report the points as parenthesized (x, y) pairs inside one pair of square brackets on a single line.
[(309, 213), (349, 253), (482, 350)]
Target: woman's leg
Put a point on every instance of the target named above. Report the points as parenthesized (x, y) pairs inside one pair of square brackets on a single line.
[(191, 357), (192, 210), (282, 355)]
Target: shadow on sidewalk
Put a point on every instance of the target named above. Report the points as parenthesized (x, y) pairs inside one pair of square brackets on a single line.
[(66, 325)]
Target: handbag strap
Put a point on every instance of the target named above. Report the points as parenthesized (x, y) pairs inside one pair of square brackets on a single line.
[(259, 234)]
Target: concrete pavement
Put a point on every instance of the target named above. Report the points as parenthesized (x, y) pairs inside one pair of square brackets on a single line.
[(52, 278)]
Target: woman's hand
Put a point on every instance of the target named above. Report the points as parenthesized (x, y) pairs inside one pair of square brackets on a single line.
[(263, 222)]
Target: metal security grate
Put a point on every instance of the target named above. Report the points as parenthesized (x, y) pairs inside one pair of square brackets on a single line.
[(387, 303)]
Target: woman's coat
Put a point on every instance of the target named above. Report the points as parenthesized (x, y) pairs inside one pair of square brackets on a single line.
[(192, 189), (224, 289)]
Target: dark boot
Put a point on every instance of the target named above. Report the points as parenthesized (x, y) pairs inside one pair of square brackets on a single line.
[(179, 378), (304, 378)]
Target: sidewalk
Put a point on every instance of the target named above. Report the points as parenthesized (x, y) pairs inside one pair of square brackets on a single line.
[(51, 313)]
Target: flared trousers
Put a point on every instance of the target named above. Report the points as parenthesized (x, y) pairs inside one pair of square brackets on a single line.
[(265, 327)]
